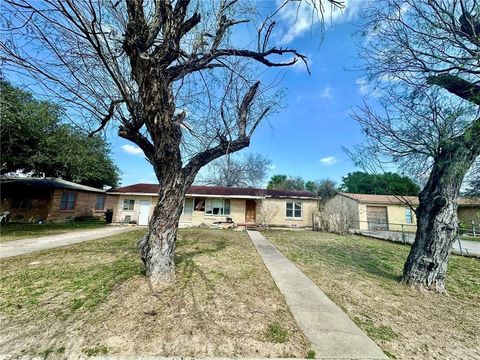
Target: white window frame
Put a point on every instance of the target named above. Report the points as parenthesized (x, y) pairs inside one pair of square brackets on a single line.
[(123, 204), (409, 211), (293, 202), (209, 200)]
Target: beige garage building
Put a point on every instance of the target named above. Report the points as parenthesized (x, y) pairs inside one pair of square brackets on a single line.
[(393, 213), (210, 204)]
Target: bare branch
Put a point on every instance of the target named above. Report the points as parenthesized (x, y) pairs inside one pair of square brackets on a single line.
[(457, 86)]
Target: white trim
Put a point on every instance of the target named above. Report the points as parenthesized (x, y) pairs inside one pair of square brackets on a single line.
[(224, 196), (132, 194), (216, 196)]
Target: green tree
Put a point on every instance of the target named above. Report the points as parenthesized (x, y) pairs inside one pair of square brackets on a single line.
[(381, 184), (284, 182), (311, 186), (325, 189), (34, 139)]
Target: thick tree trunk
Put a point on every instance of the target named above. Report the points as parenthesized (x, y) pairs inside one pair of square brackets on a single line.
[(157, 248), (437, 224)]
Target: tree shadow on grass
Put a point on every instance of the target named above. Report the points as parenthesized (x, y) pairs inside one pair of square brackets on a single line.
[(191, 272)]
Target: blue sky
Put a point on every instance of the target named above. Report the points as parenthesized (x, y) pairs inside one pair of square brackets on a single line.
[(306, 138)]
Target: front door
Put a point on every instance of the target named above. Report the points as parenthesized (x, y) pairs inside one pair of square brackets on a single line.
[(250, 207), (377, 218), (144, 212)]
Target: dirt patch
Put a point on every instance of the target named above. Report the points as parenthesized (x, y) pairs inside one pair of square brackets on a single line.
[(361, 275), (223, 303)]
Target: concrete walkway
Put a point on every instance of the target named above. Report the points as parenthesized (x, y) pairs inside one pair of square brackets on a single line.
[(332, 334), (25, 246)]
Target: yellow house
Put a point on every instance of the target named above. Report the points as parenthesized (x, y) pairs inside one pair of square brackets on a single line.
[(393, 213), (214, 204)]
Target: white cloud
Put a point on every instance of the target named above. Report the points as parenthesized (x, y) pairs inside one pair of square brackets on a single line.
[(132, 149), (329, 160), (365, 89), (363, 86), (326, 93), (299, 17)]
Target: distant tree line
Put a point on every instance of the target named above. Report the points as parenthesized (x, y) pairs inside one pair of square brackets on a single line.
[(357, 182), (381, 184)]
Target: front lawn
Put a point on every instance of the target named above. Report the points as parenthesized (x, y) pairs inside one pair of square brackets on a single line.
[(92, 298), (18, 231), (362, 276)]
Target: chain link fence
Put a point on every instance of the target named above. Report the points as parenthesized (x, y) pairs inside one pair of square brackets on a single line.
[(467, 243)]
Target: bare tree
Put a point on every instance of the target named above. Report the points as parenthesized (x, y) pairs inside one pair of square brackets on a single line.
[(337, 215), (170, 73), (267, 210), (231, 171), (422, 57)]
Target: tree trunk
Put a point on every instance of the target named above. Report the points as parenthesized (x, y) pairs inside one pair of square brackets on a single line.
[(157, 248), (437, 225)]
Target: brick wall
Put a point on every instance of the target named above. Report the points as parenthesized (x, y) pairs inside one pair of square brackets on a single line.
[(38, 210), (84, 206)]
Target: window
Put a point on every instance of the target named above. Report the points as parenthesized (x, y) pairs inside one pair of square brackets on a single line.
[(100, 203), (68, 200), (199, 205), (128, 204), (23, 204), (409, 216), (187, 206), (294, 210), (217, 207)]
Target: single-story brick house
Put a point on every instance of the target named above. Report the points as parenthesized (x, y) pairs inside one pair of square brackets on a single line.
[(209, 204), (49, 200), (389, 212)]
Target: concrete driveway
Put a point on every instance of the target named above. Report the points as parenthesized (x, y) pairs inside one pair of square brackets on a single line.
[(25, 246)]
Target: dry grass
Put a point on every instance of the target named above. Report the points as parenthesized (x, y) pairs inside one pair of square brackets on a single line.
[(92, 298), (361, 275), (18, 231)]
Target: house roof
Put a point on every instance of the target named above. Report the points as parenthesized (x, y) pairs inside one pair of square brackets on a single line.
[(400, 200), (195, 190), (47, 182)]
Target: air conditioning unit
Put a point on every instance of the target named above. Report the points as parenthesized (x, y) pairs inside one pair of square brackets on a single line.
[(127, 219)]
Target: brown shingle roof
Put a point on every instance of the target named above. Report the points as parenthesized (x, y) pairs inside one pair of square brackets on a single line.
[(400, 200), (218, 191)]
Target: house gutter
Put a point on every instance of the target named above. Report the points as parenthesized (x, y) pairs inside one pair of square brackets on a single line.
[(216, 196)]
